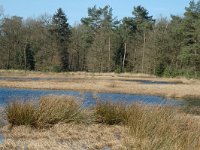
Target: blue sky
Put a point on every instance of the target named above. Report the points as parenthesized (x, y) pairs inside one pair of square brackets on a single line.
[(76, 9)]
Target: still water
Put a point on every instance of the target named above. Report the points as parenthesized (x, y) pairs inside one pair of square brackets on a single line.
[(88, 98)]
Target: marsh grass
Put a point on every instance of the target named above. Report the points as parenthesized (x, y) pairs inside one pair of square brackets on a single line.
[(191, 109), (156, 127), (55, 109), (150, 127), (161, 128), (49, 111), (192, 106), (110, 113), (21, 113)]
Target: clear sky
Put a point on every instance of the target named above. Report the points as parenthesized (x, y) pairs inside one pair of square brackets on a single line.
[(76, 9)]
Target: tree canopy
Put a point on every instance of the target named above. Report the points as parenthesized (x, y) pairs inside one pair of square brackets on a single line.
[(102, 43)]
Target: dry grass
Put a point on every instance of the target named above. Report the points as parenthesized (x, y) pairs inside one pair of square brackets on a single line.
[(112, 125), (103, 82), (21, 113), (117, 126), (66, 137), (111, 113), (162, 128), (155, 127), (49, 111), (55, 109)]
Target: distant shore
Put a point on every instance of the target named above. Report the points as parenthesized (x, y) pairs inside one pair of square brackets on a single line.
[(101, 82)]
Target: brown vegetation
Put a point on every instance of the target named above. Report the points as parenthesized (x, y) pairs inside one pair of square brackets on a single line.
[(66, 137), (49, 111), (110, 125), (102, 82)]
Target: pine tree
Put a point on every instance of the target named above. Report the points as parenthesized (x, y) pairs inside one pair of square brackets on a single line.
[(119, 57), (190, 52), (62, 33), (100, 25), (143, 23), (29, 58)]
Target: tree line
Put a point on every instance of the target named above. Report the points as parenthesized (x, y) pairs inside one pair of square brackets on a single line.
[(101, 43)]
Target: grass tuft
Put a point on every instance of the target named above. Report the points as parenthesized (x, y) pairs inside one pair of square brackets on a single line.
[(21, 113), (162, 128), (55, 109), (155, 127), (50, 110), (110, 113), (150, 127)]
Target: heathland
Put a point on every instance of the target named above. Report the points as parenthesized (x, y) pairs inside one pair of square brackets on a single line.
[(138, 48), (60, 122)]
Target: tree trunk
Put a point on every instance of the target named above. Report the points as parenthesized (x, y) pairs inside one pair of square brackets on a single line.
[(109, 55), (109, 48), (124, 55), (144, 46), (8, 61), (25, 58)]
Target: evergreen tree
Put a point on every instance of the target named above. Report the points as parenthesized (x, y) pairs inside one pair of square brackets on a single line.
[(62, 33), (119, 57), (190, 52), (29, 58), (142, 19), (99, 17), (143, 23), (100, 26)]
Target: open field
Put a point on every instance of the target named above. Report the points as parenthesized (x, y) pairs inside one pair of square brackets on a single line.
[(101, 82), (107, 126)]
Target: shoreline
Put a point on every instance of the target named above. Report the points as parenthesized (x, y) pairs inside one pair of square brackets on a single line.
[(103, 83)]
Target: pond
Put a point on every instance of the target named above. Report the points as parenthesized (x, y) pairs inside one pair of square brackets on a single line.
[(89, 99)]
